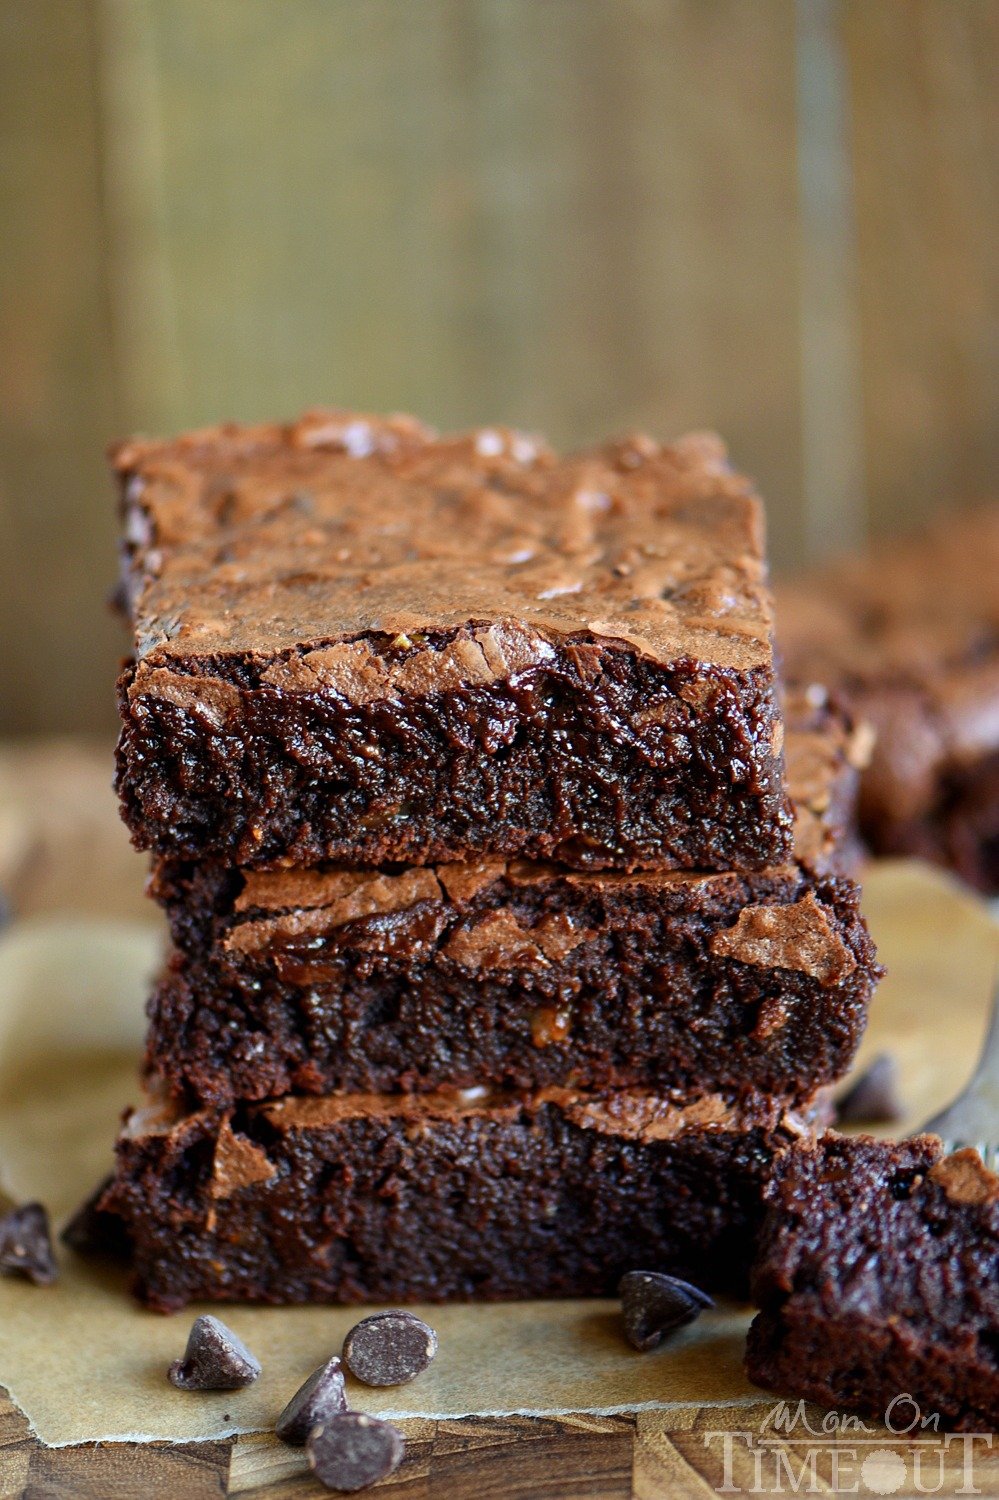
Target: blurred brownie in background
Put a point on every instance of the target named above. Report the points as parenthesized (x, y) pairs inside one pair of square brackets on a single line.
[(909, 634)]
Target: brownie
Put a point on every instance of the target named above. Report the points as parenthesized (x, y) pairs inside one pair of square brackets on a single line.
[(876, 1275), (911, 636), (528, 977), (827, 748), (316, 980), (483, 1194), (358, 642)]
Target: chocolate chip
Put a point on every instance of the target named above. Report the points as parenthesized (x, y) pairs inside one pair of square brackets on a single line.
[(389, 1348), (353, 1450), (94, 1231), (214, 1360), (653, 1304), (873, 1099), (26, 1244), (321, 1397)]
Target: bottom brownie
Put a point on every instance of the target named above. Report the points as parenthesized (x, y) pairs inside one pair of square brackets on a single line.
[(877, 1278), (479, 1194)]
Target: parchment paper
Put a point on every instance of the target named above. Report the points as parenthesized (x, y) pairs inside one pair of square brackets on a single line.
[(85, 1363)]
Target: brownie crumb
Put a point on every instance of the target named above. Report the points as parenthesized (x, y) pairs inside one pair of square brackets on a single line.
[(874, 1098), (653, 1305), (26, 1244), (352, 1451), (319, 1399), (389, 1348), (215, 1359)]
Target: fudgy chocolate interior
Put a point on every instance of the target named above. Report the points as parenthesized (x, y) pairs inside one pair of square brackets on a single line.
[(529, 974), (747, 982), (487, 1194)]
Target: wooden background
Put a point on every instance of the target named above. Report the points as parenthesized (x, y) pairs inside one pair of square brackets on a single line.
[(778, 218)]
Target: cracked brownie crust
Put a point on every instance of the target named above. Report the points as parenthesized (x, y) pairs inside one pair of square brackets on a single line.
[(356, 641), (489, 1195)]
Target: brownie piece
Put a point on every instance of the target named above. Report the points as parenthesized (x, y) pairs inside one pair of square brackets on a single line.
[(311, 981), (827, 748), (876, 1275), (911, 636), (355, 641), (524, 976), (482, 1195)]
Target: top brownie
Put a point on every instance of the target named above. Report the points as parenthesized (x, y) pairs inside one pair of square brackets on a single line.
[(357, 641)]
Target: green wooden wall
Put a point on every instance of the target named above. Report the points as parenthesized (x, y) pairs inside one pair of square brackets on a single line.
[(776, 218)]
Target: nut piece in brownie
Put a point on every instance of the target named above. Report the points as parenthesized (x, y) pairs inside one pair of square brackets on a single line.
[(911, 637), (484, 1194), (355, 641), (877, 1276), (311, 981)]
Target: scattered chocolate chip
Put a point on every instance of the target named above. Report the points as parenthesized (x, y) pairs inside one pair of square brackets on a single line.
[(321, 1397), (26, 1244), (653, 1304), (873, 1099), (389, 1348), (214, 1360), (353, 1450), (94, 1231)]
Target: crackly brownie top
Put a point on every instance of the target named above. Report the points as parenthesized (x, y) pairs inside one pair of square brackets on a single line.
[(295, 543), (877, 1230)]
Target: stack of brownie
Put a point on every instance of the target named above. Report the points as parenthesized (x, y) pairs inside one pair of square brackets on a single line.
[(506, 953)]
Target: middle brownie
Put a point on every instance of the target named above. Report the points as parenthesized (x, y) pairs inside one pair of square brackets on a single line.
[(326, 979)]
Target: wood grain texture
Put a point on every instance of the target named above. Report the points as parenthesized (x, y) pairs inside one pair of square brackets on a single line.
[(57, 528), (16, 1448), (578, 216), (518, 212), (126, 1471), (666, 1455), (925, 141), (523, 213)]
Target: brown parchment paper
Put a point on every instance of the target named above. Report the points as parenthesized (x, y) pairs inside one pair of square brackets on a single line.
[(85, 1363)]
